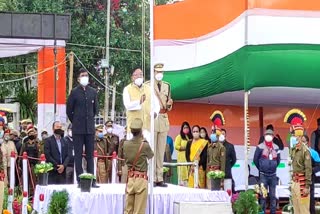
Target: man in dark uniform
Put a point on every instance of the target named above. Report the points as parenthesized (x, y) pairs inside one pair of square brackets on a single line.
[(82, 106), (137, 152), (101, 146), (231, 158), (113, 144), (315, 138)]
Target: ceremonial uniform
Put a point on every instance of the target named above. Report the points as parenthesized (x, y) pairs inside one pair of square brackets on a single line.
[(301, 163), (162, 91), (216, 153), (137, 151), (101, 146), (113, 144)]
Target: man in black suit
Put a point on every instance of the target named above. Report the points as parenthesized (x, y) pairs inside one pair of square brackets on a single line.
[(82, 106), (231, 157), (56, 152)]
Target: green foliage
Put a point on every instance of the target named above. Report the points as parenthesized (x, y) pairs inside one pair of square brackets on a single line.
[(216, 174), (246, 203), (165, 169), (59, 203), (5, 198), (43, 168), (87, 176), (28, 103)]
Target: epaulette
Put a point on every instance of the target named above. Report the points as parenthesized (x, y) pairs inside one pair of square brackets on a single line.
[(147, 82), (166, 83)]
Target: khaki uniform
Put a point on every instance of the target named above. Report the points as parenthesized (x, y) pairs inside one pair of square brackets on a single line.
[(7, 148), (122, 167), (216, 159), (41, 147), (113, 144), (137, 184), (102, 165), (161, 126), (135, 94), (302, 170)]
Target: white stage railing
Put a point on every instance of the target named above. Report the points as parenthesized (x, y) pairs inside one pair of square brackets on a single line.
[(196, 169), (12, 181)]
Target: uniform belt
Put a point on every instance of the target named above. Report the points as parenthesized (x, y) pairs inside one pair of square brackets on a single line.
[(212, 168), (101, 159), (163, 111), (298, 177), (137, 174)]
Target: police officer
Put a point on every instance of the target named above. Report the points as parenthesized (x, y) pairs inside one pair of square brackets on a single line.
[(101, 146), (113, 144), (137, 151), (122, 167), (161, 124), (82, 106)]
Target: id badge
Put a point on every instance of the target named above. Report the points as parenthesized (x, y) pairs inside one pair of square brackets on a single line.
[(270, 156)]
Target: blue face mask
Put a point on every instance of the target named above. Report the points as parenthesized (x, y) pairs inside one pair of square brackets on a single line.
[(213, 138), (100, 135), (293, 141)]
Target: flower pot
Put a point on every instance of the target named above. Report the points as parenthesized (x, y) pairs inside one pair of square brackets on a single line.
[(85, 185), (43, 179), (215, 184)]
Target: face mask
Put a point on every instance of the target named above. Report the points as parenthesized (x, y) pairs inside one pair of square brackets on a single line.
[(213, 138), (44, 136), (84, 81), (159, 76), (59, 132), (138, 81), (109, 130), (222, 138), (293, 141), (196, 135), (1, 133), (100, 135), (185, 131), (32, 137), (70, 133), (6, 138), (202, 135), (268, 138)]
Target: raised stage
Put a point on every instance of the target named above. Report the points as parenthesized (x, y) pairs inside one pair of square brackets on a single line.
[(110, 198)]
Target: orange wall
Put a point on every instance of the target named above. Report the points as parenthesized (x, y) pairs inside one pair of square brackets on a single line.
[(198, 114)]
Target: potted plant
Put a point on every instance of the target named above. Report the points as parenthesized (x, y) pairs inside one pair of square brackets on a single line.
[(215, 177), (165, 174), (86, 181), (41, 170), (59, 202), (246, 203), (287, 209)]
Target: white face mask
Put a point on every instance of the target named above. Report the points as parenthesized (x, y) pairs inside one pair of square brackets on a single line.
[(202, 135), (84, 81), (159, 76), (1, 133), (138, 81), (109, 130), (268, 138), (70, 133), (222, 138)]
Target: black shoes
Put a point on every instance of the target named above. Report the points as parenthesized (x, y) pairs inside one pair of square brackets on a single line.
[(160, 184), (94, 184)]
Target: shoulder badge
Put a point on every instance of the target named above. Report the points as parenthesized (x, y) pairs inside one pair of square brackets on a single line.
[(222, 153)]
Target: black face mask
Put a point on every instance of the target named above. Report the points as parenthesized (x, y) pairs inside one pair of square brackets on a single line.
[(32, 137), (59, 132)]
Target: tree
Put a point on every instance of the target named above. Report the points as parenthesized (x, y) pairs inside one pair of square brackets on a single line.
[(89, 33)]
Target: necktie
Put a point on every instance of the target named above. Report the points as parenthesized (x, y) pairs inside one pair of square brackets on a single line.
[(159, 86)]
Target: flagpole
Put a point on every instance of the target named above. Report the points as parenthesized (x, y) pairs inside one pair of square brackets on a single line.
[(151, 172)]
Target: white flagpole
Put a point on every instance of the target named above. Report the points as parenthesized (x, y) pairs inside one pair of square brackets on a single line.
[(151, 172), (246, 137)]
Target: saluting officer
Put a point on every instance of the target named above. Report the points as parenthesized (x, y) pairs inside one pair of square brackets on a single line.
[(162, 91), (137, 152)]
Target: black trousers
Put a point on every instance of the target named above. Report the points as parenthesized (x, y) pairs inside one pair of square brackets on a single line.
[(86, 140), (312, 200), (56, 178)]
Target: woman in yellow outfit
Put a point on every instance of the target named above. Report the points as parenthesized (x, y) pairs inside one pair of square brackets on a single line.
[(180, 144), (197, 150)]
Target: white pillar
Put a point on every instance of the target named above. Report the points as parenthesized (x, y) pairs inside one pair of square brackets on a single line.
[(246, 135), (12, 181), (114, 168), (25, 183), (95, 162), (196, 174)]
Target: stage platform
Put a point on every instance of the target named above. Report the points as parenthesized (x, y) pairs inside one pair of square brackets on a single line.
[(110, 198)]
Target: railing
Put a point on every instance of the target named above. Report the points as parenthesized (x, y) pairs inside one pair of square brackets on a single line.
[(195, 164)]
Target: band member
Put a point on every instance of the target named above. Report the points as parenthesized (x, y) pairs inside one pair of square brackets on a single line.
[(301, 163), (101, 146)]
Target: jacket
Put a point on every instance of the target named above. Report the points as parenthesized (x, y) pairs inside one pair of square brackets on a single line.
[(231, 158), (82, 106), (52, 153), (262, 159)]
